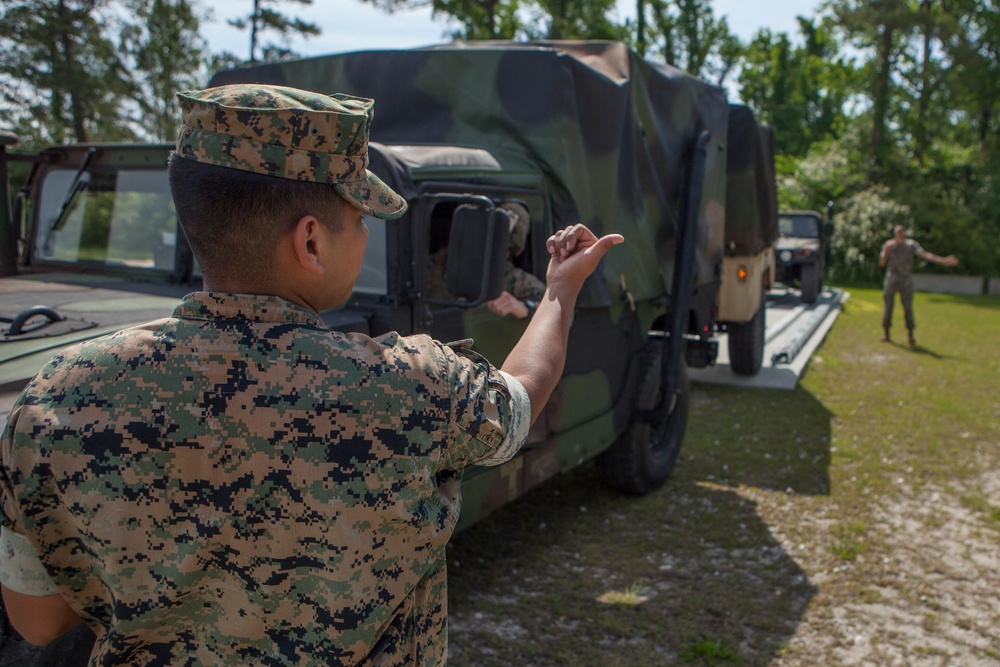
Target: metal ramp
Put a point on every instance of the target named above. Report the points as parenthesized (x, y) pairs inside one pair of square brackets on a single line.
[(793, 332)]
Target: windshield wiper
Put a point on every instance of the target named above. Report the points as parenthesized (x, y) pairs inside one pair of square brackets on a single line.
[(79, 185)]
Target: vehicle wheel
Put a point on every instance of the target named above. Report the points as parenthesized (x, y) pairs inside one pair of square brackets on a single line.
[(810, 283), (746, 342), (645, 454)]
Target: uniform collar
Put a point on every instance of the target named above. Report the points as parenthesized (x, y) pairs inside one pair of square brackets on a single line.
[(252, 307)]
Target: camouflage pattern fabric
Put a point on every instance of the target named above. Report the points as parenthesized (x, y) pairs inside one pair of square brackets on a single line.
[(238, 485), (899, 279), (288, 133), (522, 284), (899, 260), (904, 287)]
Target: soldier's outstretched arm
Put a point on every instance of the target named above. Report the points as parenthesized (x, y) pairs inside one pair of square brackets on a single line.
[(538, 359), (950, 260)]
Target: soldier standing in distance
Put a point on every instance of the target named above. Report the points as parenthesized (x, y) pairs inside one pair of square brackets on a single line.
[(236, 484), (898, 254)]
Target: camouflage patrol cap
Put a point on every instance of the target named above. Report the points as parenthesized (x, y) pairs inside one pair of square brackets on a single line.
[(289, 133)]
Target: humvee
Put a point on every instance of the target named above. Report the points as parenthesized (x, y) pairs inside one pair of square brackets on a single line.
[(571, 131), (803, 250)]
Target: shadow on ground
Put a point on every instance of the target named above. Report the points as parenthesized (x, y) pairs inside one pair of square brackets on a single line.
[(526, 584)]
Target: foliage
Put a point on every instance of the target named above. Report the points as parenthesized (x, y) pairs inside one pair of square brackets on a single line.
[(168, 56), (477, 19), (687, 35), (574, 19), (62, 76), (892, 101), (801, 91), (265, 18)]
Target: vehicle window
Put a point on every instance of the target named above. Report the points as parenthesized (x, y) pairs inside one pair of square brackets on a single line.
[(374, 278), (123, 218), (803, 226)]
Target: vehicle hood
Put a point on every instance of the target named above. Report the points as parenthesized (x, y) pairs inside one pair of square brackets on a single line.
[(91, 306)]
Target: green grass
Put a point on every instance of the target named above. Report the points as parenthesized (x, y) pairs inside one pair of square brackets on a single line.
[(710, 652), (771, 489)]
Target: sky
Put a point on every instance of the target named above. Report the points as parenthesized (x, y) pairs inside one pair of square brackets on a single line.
[(352, 25)]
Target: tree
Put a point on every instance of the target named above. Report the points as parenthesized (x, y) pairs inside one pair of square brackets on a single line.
[(62, 77), (973, 47), (166, 52), (520, 19), (578, 19), (801, 91), (687, 35), (262, 18), (883, 28)]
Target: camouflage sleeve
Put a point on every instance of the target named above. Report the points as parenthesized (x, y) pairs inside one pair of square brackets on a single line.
[(490, 410), (20, 568), (522, 284), (9, 510)]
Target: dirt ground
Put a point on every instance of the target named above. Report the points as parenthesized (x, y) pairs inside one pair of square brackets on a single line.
[(930, 597), (730, 574)]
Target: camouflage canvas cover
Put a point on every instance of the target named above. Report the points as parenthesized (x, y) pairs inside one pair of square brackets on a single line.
[(611, 133), (751, 196)]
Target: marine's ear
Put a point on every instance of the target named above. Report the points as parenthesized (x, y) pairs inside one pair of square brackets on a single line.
[(305, 241)]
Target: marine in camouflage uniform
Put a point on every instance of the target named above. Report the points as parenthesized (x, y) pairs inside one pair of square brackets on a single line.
[(236, 484), (897, 257)]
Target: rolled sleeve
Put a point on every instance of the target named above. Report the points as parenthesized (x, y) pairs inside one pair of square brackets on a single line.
[(519, 406), (20, 568)]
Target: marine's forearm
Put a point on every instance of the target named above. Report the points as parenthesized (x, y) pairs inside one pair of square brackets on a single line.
[(539, 357)]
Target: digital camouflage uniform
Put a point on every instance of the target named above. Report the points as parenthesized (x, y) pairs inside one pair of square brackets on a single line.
[(238, 485), (521, 284), (899, 278)]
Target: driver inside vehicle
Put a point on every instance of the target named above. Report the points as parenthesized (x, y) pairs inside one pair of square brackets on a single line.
[(522, 290)]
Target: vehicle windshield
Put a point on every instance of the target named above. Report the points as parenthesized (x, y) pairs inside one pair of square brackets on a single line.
[(126, 217), (801, 226), (121, 217)]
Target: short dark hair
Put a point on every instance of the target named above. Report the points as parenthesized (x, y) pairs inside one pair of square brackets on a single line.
[(234, 219)]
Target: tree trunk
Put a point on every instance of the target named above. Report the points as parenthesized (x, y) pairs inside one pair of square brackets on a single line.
[(640, 27), (921, 136), (880, 106), (253, 30)]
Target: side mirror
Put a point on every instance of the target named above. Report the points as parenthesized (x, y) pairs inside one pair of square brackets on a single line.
[(477, 249), (828, 228)]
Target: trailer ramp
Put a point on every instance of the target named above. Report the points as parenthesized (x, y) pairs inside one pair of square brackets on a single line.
[(794, 331)]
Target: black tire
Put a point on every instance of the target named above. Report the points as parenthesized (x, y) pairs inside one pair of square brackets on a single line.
[(810, 283), (746, 342), (645, 454)]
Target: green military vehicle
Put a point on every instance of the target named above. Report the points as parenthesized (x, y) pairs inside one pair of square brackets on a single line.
[(803, 250), (570, 131)]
